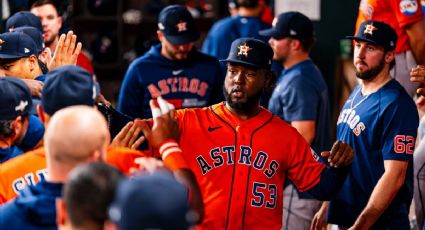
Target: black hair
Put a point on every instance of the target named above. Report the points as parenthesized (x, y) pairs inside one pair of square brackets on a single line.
[(6, 130), (43, 66), (89, 191), (38, 3), (307, 43), (247, 3)]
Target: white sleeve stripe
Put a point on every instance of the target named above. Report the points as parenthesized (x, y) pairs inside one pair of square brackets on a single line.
[(167, 145), (169, 151)]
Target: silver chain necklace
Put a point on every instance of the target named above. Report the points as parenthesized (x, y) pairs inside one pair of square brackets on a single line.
[(361, 101)]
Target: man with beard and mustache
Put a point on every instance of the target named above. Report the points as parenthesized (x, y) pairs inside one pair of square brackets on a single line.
[(379, 120), (173, 69), (241, 153), (301, 99), (51, 21)]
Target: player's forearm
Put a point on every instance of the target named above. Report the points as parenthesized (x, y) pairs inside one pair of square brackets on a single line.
[(416, 33), (382, 196), (331, 180), (172, 157), (307, 129), (196, 202)]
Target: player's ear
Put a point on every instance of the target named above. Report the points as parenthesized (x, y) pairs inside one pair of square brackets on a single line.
[(160, 35), (61, 213), (108, 225), (389, 56)]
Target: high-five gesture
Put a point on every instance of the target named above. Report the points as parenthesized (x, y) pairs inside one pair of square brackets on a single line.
[(66, 52)]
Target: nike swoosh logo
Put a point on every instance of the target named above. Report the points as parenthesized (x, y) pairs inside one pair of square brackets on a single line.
[(177, 72), (210, 129)]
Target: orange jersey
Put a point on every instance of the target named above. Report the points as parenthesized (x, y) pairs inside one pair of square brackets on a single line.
[(30, 168), (241, 166), (397, 13), (123, 158), (16, 173)]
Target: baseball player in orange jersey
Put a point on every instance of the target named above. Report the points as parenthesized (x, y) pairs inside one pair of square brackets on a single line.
[(59, 92), (241, 153)]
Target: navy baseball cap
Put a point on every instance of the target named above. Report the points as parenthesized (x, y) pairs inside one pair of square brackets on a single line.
[(16, 45), (35, 34), (151, 201), (377, 33), (177, 24), (67, 86), (290, 24), (15, 98), (251, 52), (23, 18)]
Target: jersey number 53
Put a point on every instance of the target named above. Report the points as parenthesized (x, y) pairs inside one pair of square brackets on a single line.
[(264, 195)]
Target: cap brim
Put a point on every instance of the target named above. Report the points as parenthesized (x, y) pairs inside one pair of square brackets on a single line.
[(10, 56), (361, 39), (272, 32), (239, 62), (182, 39)]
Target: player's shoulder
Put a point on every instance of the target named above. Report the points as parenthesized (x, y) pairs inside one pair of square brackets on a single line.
[(188, 113), (201, 57), (224, 23), (394, 94), (22, 160)]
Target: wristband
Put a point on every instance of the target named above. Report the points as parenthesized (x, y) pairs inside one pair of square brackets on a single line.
[(171, 155)]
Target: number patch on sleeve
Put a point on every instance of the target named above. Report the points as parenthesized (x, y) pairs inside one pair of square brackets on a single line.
[(404, 144)]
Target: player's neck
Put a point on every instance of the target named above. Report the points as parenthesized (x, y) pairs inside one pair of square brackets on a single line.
[(246, 12), (295, 59), (53, 45), (5, 143), (373, 85), (244, 114)]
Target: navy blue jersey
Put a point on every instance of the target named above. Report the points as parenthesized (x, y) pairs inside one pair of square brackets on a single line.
[(225, 31), (33, 209), (34, 134), (301, 94), (9, 152), (381, 126), (195, 82)]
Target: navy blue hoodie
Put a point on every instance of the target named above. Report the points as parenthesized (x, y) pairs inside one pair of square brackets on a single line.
[(33, 209), (195, 82)]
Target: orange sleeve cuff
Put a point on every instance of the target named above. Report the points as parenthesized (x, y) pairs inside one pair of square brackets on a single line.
[(171, 154)]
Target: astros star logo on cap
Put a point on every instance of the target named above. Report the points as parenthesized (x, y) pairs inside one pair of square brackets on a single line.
[(369, 28), (181, 26), (243, 50)]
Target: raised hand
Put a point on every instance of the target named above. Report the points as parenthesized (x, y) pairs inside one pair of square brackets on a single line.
[(127, 137), (67, 51), (417, 74), (164, 127), (341, 154), (35, 86)]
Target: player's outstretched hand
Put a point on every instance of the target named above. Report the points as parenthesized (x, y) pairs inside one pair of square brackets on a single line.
[(341, 154), (148, 164), (127, 137), (164, 127), (319, 219), (35, 86), (417, 74), (67, 51)]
